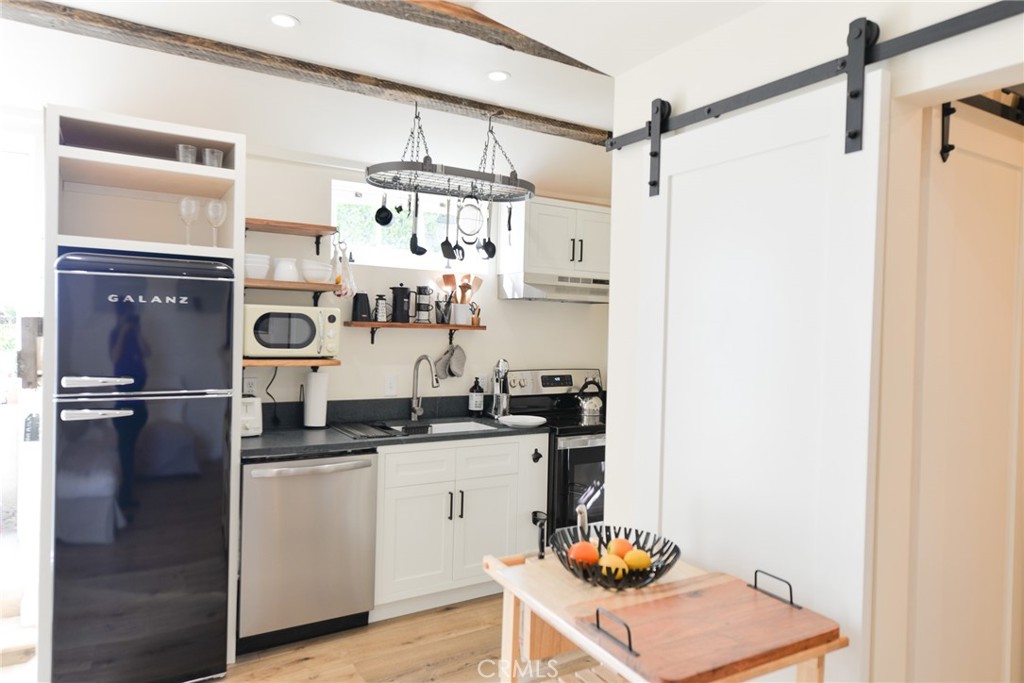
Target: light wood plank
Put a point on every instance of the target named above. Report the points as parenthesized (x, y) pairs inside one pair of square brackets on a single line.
[(288, 228), (253, 283), (509, 638), (289, 362)]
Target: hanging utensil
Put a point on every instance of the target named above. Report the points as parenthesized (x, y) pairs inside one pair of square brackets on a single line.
[(489, 248), (414, 243), (383, 215), (470, 218), (447, 249), (510, 225)]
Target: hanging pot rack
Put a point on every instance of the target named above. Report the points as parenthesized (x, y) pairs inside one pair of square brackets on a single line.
[(426, 177)]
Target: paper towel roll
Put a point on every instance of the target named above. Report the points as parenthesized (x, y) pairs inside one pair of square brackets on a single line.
[(314, 402)]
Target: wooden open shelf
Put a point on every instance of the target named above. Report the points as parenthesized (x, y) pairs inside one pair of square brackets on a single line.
[(292, 286), (287, 228), (374, 326), (289, 362)]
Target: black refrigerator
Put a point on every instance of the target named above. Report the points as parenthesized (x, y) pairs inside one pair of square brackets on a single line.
[(142, 467)]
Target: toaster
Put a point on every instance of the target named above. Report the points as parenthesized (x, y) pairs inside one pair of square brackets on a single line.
[(252, 416)]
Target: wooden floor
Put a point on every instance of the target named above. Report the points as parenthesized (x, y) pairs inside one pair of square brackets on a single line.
[(455, 643)]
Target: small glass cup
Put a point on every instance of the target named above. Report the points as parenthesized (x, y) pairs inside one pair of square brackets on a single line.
[(186, 153), (213, 157)]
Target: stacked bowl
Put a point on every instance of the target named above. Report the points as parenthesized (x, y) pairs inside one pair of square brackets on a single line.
[(257, 266), (316, 271)]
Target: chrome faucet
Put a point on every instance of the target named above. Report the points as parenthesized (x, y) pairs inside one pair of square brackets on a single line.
[(417, 402)]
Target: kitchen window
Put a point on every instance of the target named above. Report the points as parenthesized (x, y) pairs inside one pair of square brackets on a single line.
[(354, 207)]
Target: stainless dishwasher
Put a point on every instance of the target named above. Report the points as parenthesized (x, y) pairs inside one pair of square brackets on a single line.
[(307, 556)]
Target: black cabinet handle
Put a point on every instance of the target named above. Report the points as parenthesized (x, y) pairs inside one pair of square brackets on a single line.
[(536, 455), (451, 504), (573, 257), (462, 504), (581, 250)]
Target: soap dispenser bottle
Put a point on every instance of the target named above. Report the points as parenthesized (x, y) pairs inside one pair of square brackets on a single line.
[(476, 399)]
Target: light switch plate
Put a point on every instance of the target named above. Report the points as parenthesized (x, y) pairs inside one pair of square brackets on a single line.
[(249, 386), (391, 385)]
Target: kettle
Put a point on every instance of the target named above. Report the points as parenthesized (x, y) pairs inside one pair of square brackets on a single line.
[(590, 404), (252, 416)]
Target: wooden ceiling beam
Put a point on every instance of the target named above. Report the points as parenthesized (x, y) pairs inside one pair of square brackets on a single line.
[(80, 22), (466, 21)]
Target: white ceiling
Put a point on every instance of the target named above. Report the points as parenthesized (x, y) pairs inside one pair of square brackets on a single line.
[(610, 35)]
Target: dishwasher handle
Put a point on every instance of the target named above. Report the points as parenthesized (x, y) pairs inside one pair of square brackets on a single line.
[(316, 469)]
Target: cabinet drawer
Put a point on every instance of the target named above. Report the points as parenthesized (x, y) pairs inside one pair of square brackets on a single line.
[(486, 461), (423, 467)]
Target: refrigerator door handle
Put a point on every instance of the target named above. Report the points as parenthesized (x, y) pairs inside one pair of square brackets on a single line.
[(78, 382), (318, 469), (89, 414)]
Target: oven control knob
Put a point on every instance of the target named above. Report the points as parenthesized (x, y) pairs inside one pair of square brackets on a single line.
[(331, 318), (522, 383), (536, 455)]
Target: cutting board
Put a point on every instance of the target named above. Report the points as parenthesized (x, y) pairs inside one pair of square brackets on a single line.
[(702, 629)]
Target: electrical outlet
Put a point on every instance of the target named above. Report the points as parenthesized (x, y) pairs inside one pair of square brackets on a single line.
[(249, 386), (391, 385)]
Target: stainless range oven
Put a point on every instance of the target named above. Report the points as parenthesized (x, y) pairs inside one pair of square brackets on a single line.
[(576, 444)]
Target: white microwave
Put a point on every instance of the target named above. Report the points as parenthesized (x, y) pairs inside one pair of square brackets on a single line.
[(290, 331)]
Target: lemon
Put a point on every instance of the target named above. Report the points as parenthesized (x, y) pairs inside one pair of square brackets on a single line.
[(613, 565), (637, 559)]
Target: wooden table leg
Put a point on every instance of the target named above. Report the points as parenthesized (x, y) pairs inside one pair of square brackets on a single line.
[(811, 670), (508, 666)]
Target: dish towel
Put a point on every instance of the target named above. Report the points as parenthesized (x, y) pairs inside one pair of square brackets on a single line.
[(452, 362)]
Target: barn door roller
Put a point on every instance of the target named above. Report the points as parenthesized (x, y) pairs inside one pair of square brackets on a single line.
[(863, 49)]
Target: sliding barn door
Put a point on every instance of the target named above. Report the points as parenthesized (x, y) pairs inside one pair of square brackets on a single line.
[(966, 517), (770, 345)]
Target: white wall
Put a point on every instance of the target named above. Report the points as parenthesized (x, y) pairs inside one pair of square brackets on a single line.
[(300, 136), (768, 43)]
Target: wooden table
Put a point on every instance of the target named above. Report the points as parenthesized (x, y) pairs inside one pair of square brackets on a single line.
[(543, 604)]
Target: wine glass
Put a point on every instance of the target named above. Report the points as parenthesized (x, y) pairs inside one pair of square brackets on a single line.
[(216, 213), (188, 210)]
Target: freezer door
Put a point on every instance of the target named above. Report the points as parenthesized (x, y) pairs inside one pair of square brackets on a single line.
[(142, 325), (140, 552)]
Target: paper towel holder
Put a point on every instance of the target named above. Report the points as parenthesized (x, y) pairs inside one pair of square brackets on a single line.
[(314, 411)]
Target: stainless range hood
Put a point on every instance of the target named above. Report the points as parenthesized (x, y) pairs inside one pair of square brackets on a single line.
[(547, 287)]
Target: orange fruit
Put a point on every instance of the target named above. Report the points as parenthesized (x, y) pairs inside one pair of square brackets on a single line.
[(583, 552), (637, 559), (613, 565), (619, 546)]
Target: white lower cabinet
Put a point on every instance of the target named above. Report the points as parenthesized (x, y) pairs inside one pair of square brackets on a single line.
[(442, 506), (485, 523)]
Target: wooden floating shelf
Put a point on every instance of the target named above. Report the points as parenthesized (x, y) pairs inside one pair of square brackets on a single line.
[(292, 286), (286, 228), (289, 362), (374, 326)]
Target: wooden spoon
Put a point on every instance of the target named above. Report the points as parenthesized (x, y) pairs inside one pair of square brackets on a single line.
[(465, 287), (449, 282), (477, 283)]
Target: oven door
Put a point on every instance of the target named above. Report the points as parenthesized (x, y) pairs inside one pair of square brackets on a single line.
[(577, 479)]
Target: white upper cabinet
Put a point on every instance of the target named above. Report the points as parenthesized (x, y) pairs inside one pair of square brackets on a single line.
[(120, 182), (563, 238)]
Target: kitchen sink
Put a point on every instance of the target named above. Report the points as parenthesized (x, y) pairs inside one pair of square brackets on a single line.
[(424, 427), (456, 427)]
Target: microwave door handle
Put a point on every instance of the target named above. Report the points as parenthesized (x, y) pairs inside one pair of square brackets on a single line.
[(320, 335)]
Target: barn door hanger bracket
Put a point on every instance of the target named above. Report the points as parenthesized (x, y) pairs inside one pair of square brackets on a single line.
[(862, 36), (660, 111), (946, 148)]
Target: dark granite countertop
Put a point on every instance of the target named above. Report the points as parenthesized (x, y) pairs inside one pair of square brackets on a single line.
[(274, 443)]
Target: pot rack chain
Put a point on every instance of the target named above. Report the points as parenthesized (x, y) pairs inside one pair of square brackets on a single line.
[(416, 135), (863, 50), (494, 148)]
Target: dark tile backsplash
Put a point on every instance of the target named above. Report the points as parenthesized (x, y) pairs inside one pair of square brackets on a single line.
[(289, 414)]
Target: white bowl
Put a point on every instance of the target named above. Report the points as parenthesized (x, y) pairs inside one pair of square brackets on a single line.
[(257, 271), (285, 270), (522, 421), (315, 271)]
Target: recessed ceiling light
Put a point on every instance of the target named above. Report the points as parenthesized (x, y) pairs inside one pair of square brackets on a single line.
[(499, 75), (284, 20)]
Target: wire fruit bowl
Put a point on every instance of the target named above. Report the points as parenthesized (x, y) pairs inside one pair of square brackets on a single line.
[(663, 552)]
